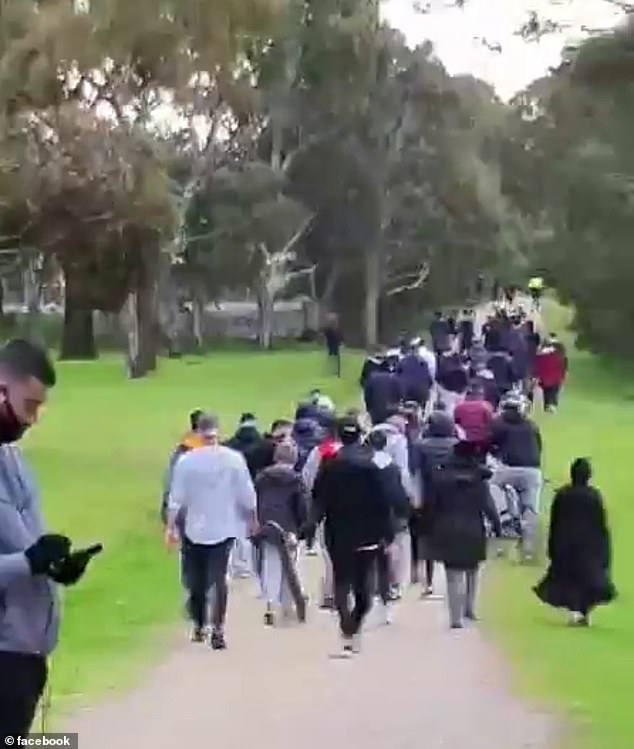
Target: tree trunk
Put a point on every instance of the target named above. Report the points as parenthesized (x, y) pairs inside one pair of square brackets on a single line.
[(33, 327), (78, 335), (142, 326), (265, 319), (168, 309), (372, 295), (198, 309)]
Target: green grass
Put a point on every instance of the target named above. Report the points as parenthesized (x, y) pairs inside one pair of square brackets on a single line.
[(588, 673), (99, 454)]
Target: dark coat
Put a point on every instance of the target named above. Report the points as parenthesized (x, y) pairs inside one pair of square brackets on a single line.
[(466, 333), (282, 498), (432, 454), (349, 494), (458, 505), (382, 393), (440, 335), (516, 441), (451, 374), (501, 364), (415, 379), (257, 454), (580, 552)]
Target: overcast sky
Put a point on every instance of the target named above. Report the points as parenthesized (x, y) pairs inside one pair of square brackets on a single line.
[(457, 35)]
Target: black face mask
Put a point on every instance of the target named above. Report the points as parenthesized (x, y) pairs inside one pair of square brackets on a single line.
[(11, 428)]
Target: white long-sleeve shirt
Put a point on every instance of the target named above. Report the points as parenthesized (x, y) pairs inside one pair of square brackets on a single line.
[(214, 488)]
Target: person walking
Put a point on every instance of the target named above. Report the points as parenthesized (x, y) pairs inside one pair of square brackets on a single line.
[(475, 416), (579, 547), (248, 441), (327, 449), (214, 489), (394, 430), (458, 505), (334, 341), (350, 497), (432, 453), (516, 442), (190, 441), (32, 561), (440, 333), (414, 375), (383, 393), (282, 504), (550, 373), (400, 510)]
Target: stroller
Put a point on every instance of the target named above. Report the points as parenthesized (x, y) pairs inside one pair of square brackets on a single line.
[(507, 504)]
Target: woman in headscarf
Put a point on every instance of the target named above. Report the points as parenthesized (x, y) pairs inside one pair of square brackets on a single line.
[(579, 548)]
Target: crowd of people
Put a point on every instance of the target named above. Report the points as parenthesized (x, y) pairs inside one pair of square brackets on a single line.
[(444, 456)]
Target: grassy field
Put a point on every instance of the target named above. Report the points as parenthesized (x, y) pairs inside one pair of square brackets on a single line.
[(588, 672), (99, 454)]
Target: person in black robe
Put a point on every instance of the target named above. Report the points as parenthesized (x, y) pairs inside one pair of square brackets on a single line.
[(579, 549)]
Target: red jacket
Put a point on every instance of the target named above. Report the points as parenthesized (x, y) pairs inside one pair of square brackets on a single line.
[(550, 368)]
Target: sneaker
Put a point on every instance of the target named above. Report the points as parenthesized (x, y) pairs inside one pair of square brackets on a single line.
[(302, 608), (470, 616), (198, 635), (328, 604), (387, 615), (356, 643), (269, 619), (348, 650), (218, 641), (312, 552), (457, 625)]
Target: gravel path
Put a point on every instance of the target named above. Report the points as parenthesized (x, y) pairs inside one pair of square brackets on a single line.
[(416, 684)]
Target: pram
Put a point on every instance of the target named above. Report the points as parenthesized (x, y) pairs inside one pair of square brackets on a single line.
[(507, 503)]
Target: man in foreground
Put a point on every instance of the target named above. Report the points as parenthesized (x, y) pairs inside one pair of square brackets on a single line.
[(213, 488), (31, 561), (349, 494)]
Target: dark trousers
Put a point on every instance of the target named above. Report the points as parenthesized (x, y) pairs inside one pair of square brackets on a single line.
[(353, 572), (206, 567), (22, 681), (334, 359), (383, 574), (551, 396)]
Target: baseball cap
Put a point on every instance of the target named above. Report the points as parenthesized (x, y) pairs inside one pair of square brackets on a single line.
[(349, 428)]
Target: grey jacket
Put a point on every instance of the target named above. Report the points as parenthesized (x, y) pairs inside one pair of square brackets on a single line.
[(29, 611)]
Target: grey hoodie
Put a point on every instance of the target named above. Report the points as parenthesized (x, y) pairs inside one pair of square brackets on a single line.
[(396, 448), (29, 612)]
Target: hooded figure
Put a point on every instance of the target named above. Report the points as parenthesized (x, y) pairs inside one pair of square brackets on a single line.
[(415, 377), (306, 432), (249, 442), (432, 453), (579, 549), (458, 505), (282, 504), (382, 394)]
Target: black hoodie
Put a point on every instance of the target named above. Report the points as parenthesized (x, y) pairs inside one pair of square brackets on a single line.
[(282, 498), (516, 441)]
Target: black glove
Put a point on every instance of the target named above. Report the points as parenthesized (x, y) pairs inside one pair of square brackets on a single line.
[(47, 552), (72, 568)]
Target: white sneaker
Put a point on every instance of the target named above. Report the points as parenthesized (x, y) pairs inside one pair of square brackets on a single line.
[(356, 643), (387, 615)]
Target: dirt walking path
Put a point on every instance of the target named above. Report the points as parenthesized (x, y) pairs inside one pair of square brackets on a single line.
[(416, 684)]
